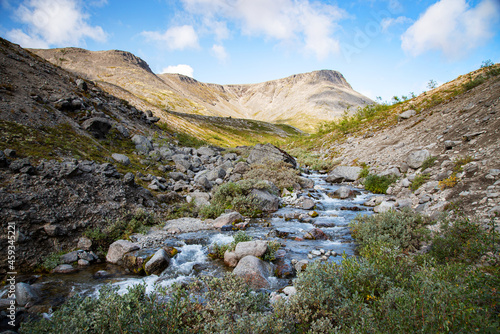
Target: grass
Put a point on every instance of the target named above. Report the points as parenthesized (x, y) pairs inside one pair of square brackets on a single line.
[(419, 180), (378, 184)]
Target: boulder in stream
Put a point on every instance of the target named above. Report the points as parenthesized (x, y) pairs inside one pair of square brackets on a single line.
[(254, 271), (158, 263), (119, 248)]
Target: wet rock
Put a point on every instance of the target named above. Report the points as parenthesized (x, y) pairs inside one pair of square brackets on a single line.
[(344, 192), (316, 234), (101, 274), (227, 219), (306, 203), (121, 158), (63, 269), (97, 127), (416, 158), (136, 260), (119, 248), (261, 154), (26, 294), (284, 269), (343, 173), (158, 263), (254, 271)]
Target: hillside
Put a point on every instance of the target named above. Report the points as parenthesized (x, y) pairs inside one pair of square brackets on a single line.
[(301, 100)]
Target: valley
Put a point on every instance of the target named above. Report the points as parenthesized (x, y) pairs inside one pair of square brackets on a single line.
[(154, 203)]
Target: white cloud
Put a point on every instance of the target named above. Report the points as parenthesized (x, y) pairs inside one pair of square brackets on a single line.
[(308, 25), (452, 27), (390, 21), (181, 69), (176, 38), (54, 22), (220, 52)]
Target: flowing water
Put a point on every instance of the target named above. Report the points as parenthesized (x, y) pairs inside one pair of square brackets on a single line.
[(193, 260)]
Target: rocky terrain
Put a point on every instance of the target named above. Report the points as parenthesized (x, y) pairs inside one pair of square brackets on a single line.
[(87, 177), (301, 100)]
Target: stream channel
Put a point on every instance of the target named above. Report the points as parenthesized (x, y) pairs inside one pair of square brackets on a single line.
[(193, 259)]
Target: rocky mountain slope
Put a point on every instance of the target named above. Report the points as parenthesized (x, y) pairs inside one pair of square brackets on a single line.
[(301, 100), (455, 128)]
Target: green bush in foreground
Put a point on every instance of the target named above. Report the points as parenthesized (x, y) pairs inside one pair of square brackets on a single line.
[(402, 229), (382, 291)]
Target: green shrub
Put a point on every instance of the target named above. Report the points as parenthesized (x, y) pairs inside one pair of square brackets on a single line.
[(51, 261), (429, 162), (402, 229), (281, 174), (235, 196), (137, 222), (419, 180), (378, 184), (463, 241)]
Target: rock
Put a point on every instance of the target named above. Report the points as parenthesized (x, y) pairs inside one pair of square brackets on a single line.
[(261, 154), (217, 173), (121, 158), (344, 192), (254, 271), (289, 290), (284, 269), (227, 219), (119, 248), (241, 168), (82, 262), (101, 274), (316, 234), (449, 144), (205, 150), (158, 263), (142, 144), (129, 179), (256, 248), (384, 207), (69, 258), (84, 243), (10, 153), (25, 294), (405, 183), (3, 160), (200, 199), (306, 183), (81, 84), (306, 203), (416, 158), (97, 127), (230, 259), (136, 260), (122, 130), (301, 265), (344, 173), (87, 256), (407, 114), (391, 171), (63, 269), (204, 182), (404, 203), (266, 202), (185, 225), (19, 164), (54, 230)]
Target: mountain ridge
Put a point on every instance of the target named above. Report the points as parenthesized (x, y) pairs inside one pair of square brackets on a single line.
[(302, 100)]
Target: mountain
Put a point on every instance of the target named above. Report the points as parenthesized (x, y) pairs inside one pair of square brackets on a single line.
[(301, 100)]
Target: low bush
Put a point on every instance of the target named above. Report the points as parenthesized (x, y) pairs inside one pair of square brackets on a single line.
[(378, 184), (429, 162), (137, 222), (419, 180), (281, 174), (402, 229)]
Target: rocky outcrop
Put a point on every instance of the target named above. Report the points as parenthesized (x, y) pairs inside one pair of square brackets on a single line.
[(261, 154)]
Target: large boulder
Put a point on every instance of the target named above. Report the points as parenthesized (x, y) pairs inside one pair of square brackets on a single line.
[(227, 219), (261, 154), (416, 158), (142, 144), (97, 126), (265, 201), (25, 294), (255, 248), (158, 263), (119, 248), (344, 192), (344, 174), (254, 271), (136, 260), (121, 158), (205, 150)]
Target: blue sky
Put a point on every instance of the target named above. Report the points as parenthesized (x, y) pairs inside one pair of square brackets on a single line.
[(382, 47)]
